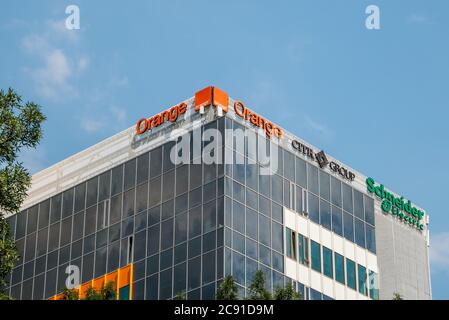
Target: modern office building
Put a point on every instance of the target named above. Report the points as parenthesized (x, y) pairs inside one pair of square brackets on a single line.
[(209, 188)]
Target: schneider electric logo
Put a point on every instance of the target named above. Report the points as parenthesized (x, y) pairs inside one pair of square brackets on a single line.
[(322, 160), (396, 206)]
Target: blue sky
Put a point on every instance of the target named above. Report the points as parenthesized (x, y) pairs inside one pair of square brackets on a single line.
[(374, 99)]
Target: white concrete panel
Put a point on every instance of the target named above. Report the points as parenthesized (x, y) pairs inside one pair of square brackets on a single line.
[(303, 275), (302, 225), (360, 255), (338, 244), (339, 291), (315, 280), (290, 268), (328, 287), (371, 262), (349, 249), (326, 238), (351, 294), (289, 219), (314, 232)]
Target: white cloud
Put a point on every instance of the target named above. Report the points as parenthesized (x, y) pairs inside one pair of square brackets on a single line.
[(34, 160), (321, 129), (56, 68), (119, 114), (92, 125), (439, 252), (418, 18)]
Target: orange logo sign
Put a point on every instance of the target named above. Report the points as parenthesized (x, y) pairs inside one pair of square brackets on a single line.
[(257, 120)]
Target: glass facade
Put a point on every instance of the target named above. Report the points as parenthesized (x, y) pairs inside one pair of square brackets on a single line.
[(186, 226)]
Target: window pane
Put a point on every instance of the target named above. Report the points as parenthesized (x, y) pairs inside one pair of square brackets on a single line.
[(264, 230), (336, 191), (312, 178), (53, 242), (314, 212), (209, 216), (180, 228), (238, 213), (358, 205), (167, 234), (166, 259), (276, 188), (195, 222), (154, 215), (325, 214), (130, 174), (181, 203), (104, 186), (251, 199), (117, 180), (66, 231), (209, 267), (370, 238), (373, 285), (155, 192), (128, 203), (360, 232), (168, 209), (139, 245), (339, 268), (301, 173), (290, 245), (143, 167), (348, 226), (168, 183), (316, 256), (337, 226), (44, 215), (194, 273), (327, 262), (67, 203), (238, 268), (264, 184), (179, 278), (265, 255), (55, 211), (252, 176), (277, 240), (92, 192), (324, 185), (32, 219), (42, 237), (153, 240), (303, 249), (361, 275), (78, 226), (182, 179), (289, 166), (116, 209), (251, 249), (167, 162), (155, 162), (350, 273), (141, 197), (369, 210), (251, 223), (347, 198)]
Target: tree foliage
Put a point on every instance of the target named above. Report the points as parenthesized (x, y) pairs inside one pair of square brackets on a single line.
[(20, 127), (287, 293), (107, 292), (397, 296), (70, 294), (257, 290), (228, 289)]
